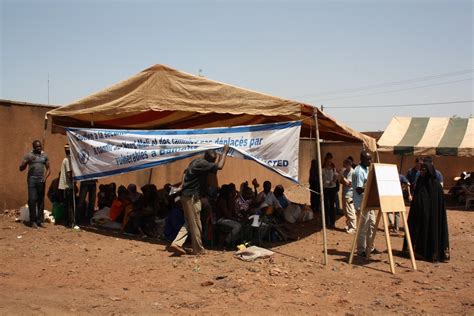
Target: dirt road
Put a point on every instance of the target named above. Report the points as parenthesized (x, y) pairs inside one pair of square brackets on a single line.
[(61, 271)]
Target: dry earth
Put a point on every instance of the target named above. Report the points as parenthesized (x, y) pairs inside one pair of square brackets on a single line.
[(61, 271)]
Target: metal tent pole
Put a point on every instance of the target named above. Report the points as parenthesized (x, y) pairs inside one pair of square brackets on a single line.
[(73, 192), (150, 175), (321, 195)]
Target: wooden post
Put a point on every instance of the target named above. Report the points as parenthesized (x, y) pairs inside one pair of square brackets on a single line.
[(407, 236), (377, 156), (354, 240), (387, 238), (321, 195)]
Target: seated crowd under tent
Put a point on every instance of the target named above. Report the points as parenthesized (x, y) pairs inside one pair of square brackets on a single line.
[(232, 215)]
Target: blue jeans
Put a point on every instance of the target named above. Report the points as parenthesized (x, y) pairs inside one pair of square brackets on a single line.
[(36, 188)]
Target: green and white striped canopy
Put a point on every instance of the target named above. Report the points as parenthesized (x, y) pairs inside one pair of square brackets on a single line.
[(442, 136)]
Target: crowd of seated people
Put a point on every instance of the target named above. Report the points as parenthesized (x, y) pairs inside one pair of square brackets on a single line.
[(138, 213), (131, 211), (235, 209)]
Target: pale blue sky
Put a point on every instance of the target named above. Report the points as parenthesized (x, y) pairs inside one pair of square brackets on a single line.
[(291, 49)]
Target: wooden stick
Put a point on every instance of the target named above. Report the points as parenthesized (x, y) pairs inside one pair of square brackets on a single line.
[(407, 236), (389, 245)]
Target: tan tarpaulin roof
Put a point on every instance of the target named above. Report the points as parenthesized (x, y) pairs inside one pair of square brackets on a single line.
[(164, 98), (443, 136)]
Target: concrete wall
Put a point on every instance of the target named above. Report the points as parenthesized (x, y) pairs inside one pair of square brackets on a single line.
[(23, 122)]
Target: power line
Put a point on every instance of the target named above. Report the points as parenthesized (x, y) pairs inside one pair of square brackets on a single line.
[(390, 83), (390, 91), (397, 105)]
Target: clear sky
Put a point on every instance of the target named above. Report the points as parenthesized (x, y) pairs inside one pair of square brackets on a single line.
[(334, 53)]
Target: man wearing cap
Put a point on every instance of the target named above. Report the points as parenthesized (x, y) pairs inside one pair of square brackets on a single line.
[(66, 184), (38, 171)]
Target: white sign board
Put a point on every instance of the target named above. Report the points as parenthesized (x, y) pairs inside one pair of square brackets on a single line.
[(388, 180)]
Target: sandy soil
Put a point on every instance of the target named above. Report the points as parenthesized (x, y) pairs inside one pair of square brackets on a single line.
[(61, 271)]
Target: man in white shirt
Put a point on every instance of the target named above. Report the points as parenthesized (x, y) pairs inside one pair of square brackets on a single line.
[(66, 184), (347, 191), (267, 200), (330, 188)]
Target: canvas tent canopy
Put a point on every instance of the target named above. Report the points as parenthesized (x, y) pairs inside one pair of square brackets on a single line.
[(441, 136), (163, 98)]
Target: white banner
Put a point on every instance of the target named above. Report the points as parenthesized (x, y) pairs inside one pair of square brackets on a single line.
[(98, 153)]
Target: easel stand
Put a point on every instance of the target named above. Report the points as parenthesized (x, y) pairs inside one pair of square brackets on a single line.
[(383, 194)]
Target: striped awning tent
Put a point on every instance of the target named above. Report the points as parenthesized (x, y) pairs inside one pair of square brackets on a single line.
[(442, 136)]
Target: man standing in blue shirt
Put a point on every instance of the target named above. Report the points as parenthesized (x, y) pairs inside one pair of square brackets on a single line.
[(38, 171), (367, 223)]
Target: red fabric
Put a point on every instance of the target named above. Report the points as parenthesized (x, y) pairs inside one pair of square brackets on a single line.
[(115, 209)]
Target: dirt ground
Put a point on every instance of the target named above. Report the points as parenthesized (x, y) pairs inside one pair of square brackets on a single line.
[(55, 270)]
